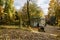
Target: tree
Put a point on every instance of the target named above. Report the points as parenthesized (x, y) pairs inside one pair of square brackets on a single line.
[(18, 18), (28, 10), (54, 9), (9, 9), (1, 9), (34, 12), (1, 2), (57, 11), (34, 1)]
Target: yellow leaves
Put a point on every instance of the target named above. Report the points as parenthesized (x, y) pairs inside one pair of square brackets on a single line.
[(58, 22), (41, 14), (55, 6), (52, 0), (11, 15), (32, 14), (1, 11)]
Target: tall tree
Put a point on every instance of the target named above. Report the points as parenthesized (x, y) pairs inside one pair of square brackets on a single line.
[(54, 9), (1, 10), (1, 7), (28, 10), (9, 9), (34, 11), (57, 11)]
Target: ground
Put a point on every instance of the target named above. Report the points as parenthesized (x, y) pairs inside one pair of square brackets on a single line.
[(19, 34)]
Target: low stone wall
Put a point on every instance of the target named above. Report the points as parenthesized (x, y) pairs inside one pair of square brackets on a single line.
[(17, 34)]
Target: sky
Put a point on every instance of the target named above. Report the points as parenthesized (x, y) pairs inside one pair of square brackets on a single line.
[(44, 4)]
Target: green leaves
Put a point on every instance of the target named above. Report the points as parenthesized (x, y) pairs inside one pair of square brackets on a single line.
[(1, 2)]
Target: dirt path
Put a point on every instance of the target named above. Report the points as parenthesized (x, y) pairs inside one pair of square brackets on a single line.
[(17, 34)]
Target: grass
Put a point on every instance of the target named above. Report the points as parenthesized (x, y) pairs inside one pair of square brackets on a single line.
[(6, 26), (15, 27)]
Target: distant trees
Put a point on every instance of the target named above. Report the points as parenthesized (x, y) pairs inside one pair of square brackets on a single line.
[(57, 11), (34, 13), (54, 9), (9, 15)]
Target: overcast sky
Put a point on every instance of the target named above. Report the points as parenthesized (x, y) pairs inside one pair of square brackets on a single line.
[(41, 3)]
